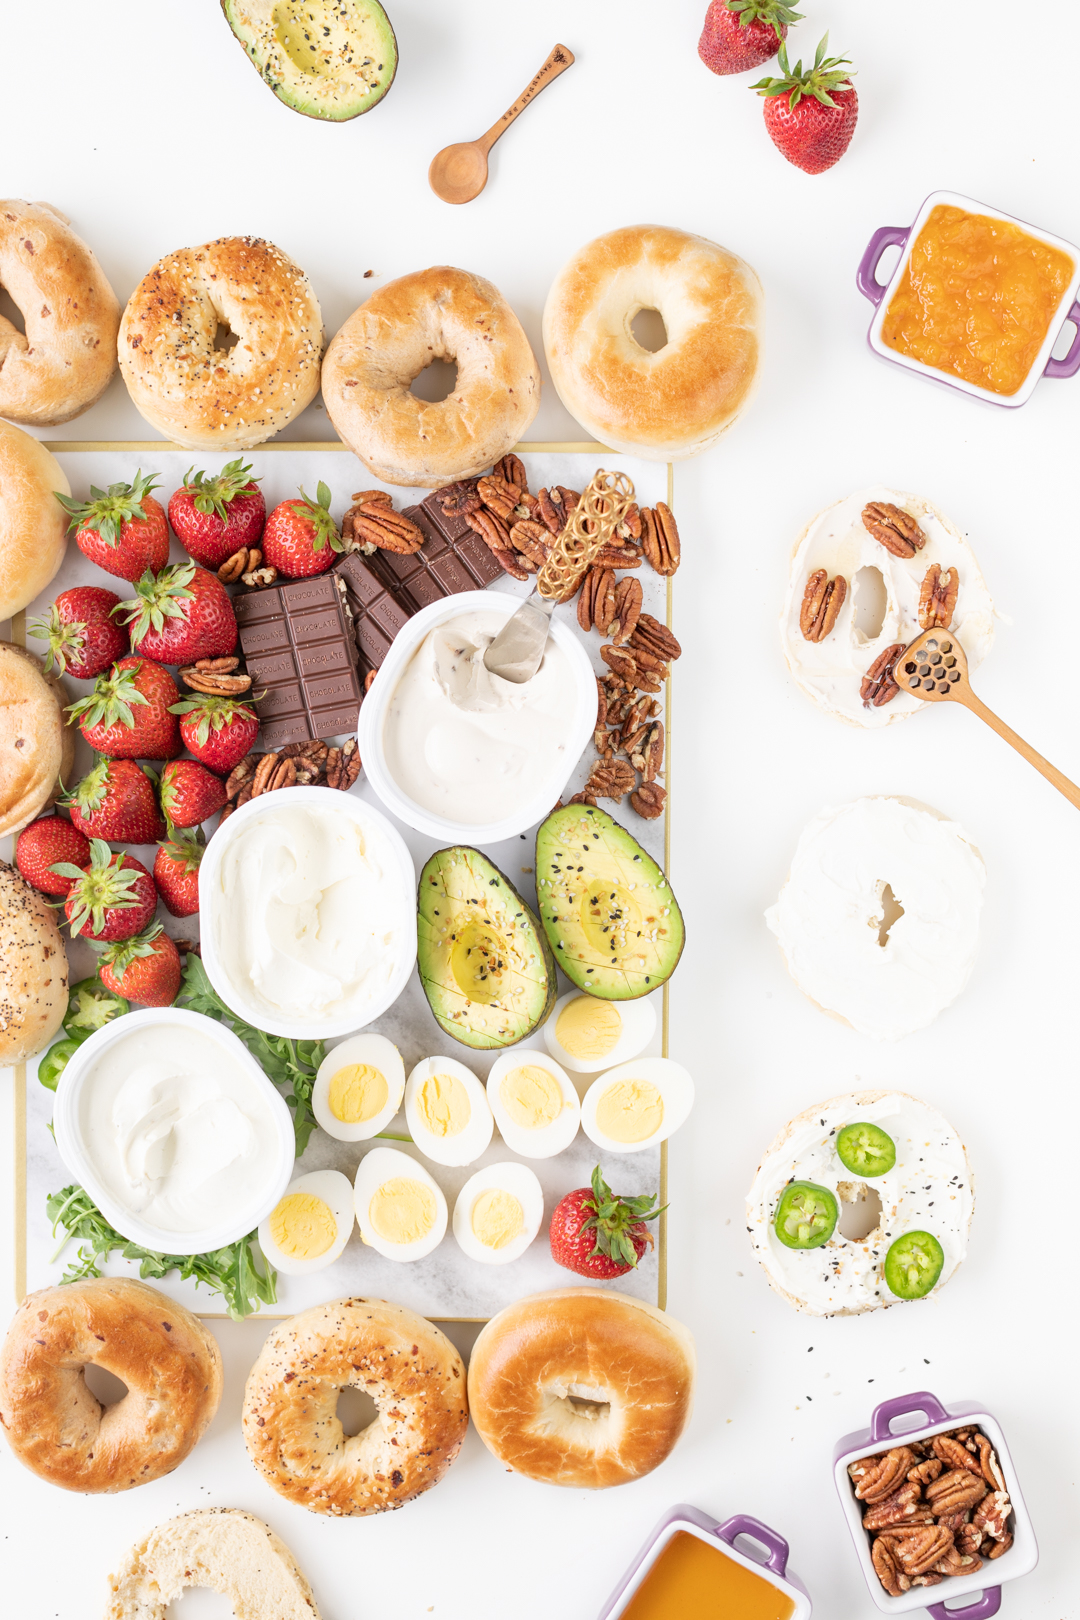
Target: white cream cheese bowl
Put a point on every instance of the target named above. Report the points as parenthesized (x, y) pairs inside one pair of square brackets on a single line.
[(138, 1105), (372, 731), (308, 905)]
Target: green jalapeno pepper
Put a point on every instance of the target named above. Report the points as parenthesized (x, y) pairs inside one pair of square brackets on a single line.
[(865, 1149), (806, 1215), (913, 1265), (55, 1062), (91, 1007)]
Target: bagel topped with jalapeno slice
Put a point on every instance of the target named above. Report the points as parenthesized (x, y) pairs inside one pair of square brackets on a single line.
[(861, 1202)]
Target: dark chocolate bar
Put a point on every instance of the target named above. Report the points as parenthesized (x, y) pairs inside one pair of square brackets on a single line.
[(300, 652)]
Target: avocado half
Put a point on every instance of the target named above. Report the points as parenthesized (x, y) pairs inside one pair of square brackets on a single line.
[(607, 908), (332, 59), (484, 963)]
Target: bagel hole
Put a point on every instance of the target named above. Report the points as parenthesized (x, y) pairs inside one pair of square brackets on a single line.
[(356, 1410), (593, 1410), (224, 338), (436, 382), (200, 1603), (104, 1385), (891, 912), (648, 330), (10, 311), (870, 601), (860, 1211)]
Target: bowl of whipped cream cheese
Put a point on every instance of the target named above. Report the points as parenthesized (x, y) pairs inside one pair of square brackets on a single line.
[(174, 1130), (308, 905), (459, 753)]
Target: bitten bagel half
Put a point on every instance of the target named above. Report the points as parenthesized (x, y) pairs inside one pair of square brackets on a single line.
[(581, 1387), (225, 1549), (58, 1429), (33, 524), (209, 398), (37, 744), (676, 402), (33, 970), (64, 361), (436, 314)]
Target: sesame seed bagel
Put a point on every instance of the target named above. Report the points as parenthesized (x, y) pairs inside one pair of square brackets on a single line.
[(33, 969)]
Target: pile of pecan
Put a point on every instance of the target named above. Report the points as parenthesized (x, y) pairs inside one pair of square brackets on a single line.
[(629, 735), (312, 763), (934, 1508)]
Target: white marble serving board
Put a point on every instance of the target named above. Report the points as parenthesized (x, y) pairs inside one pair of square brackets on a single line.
[(447, 1284)]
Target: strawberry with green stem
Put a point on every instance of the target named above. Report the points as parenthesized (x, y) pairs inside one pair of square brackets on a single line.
[(123, 528), (113, 898), (598, 1233), (214, 516), (180, 614), (129, 714), (811, 115), (176, 873), (741, 34), (301, 538), (44, 844), (117, 801), (83, 637), (219, 731), (144, 968), (190, 793)]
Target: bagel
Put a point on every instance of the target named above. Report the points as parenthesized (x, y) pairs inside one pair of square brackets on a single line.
[(63, 363), (676, 402), (411, 1370), (581, 1387), (209, 398), (58, 1429), (436, 314), (225, 1549), (33, 969), (33, 524), (37, 740)]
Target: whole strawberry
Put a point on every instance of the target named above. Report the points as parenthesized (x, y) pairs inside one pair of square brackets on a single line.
[(116, 801), (741, 34), (46, 841), (123, 528), (144, 968), (301, 537), (176, 873), (129, 714), (190, 793), (214, 516), (598, 1234), (218, 730), (113, 898), (811, 116), (181, 614), (83, 636)]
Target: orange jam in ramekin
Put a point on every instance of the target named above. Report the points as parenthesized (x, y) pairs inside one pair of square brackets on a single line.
[(976, 298)]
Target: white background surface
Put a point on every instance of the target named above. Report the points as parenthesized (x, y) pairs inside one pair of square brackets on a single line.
[(148, 127)]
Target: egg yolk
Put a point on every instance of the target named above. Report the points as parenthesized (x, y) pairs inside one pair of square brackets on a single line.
[(630, 1111), (497, 1218), (588, 1028), (357, 1093), (402, 1210), (303, 1226), (443, 1105), (531, 1096)]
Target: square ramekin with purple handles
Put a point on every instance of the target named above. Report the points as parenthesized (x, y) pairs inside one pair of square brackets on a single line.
[(881, 294), (1021, 1557)]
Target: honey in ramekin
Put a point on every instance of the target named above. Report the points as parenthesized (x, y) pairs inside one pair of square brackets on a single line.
[(693, 1580)]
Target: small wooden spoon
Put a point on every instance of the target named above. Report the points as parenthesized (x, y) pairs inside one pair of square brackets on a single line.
[(459, 173), (934, 668)]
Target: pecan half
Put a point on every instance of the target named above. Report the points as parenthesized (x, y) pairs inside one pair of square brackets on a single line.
[(652, 636), (896, 529), (601, 704), (878, 684), (627, 606), (650, 761), (988, 1463), (498, 495), (660, 539), (955, 1455), (201, 677), (612, 556), (887, 1568), (957, 1563), (955, 1491), (822, 600), (919, 1549), (459, 499), (490, 527), (648, 801), (992, 1515), (343, 765), (969, 1538), (999, 1547), (554, 505), (610, 779), (630, 527), (937, 597), (374, 524), (271, 773), (603, 602), (373, 497), (904, 1506), (241, 773), (875, 1478), (243, 561), (925, 1471), (531, 538), (512, 469), (312, 749)]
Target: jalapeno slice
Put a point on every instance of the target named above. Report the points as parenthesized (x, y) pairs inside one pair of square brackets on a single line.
[(806, 1215), (91, 1007), (913, 1265), (55, 1062), (865, 1149)]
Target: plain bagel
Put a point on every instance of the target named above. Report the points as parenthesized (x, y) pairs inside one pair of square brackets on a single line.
[(676, 402), (581, 1387), (410, 1369), (33, 524), (436, 314), (59, 1430), (224, 1549), (203, 396), (33, 969), (37, 741), (65, 358)]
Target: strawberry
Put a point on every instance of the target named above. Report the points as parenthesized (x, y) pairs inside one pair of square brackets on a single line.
[(190, 793), (180, 614), (116, 801), (115, 894), (83, 637), (811, 116), (144, 968), (301, 537), (218, 730), (42, 844), (129, 714), (123, 529), (741, 34), (599, 1234), (214, 517), (176, 873)]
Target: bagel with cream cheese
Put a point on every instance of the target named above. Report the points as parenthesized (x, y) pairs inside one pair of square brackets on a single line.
[(224, 1549)]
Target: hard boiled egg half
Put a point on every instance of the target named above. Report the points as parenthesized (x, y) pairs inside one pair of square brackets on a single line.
[(447, 1111), (400, 1206), (498, 1213), (585, 1034), (534, 1102), (358, 1088), (637, 1105), (310, 1224)]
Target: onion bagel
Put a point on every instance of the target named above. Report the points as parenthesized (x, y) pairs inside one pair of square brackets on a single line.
[(436, 314), (59, 1430), (225, 1549), (64, 361), (581, 1387), (678, 401), (200, 395), (37, 741), (33, 969), (409, 1368), (33, 524)]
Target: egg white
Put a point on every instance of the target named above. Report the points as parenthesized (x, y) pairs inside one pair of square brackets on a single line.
[(467, 1146), (381, 1054), (521, 1183), (546, 1140), (335, 1191), (638, 1028), (671, 1080), (388, 1164)]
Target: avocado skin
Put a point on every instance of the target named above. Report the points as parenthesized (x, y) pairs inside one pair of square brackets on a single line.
[(283, 87), (576, 845), (480, 890)]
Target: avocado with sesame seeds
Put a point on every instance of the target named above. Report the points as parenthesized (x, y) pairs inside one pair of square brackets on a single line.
[(607, 908), (330, 59), (484, 963)]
